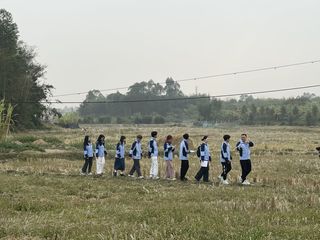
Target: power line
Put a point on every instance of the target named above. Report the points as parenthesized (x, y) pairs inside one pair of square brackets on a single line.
[(206, 77), (177, 98)]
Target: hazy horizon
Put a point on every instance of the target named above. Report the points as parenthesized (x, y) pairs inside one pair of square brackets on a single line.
[(108, 44)]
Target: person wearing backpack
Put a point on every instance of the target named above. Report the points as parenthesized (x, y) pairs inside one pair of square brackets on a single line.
[(205, 158), (183, 155), (153, 154), (136, 154), (243, 147), (225, 159)]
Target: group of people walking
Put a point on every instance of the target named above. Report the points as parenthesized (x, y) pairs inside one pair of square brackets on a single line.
[(136, 153)]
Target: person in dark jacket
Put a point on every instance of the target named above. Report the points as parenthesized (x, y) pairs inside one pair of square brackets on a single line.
[(88, 156), (136, 154), (225, 159), (168, 157), (183, 155), (243, 147), (205, 158), (119, 163), (101, 153)]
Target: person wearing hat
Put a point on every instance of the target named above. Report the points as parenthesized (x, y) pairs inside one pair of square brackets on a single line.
[(243, 147), (225, 159), (205, 158), (136, 154), (119, 163), (183, 155), (153, 154)]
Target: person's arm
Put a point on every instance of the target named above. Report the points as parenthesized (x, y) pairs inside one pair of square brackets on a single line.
[(133, 146), (224, 152), (165, 147), (105, 150), (239, 148), (118, 152), (85, 151), (152, 146), (97, 150), (202, 152)]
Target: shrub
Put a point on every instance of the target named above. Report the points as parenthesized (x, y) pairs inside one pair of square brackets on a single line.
[(69, 120), (159, 120)]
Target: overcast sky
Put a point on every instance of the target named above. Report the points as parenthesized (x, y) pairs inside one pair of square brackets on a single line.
[(101, 44)]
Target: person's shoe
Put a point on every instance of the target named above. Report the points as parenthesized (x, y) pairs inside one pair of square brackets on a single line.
[(240, 179), (90, 174), (114, 174), (173, 179), (155, 178), (225, 182), (141, 177), (82, 174), (246, 182), (131, 175), (122, 175), (196, 180), (220, 178)]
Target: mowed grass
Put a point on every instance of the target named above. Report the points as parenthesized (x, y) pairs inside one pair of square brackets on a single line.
[(43, 197)]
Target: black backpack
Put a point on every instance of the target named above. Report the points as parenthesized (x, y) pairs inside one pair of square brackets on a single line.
[(199, 151)]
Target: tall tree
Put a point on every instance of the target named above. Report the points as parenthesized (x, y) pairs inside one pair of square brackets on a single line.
[(21, 76)]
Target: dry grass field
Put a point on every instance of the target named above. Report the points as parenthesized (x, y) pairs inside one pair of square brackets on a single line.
[(42, 195)]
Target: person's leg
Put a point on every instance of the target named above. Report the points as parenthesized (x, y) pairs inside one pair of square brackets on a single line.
[(133, 169), (103, 162), (155, 169), (228, 169), (223, 174), (171, 169), (152, 167), (199, 174), (98, 165), (187, 167), (246, 168), (167, 168), (122, 166), (181, 170), (137, 167), (85, 165), (206, 174), (184, 168), (90, 164)]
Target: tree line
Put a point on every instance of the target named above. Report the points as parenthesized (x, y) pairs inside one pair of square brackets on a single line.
[(247, 110)]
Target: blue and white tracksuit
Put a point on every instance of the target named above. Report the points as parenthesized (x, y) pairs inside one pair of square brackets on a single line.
[(100, 154), (136, 150), (153, 153), (183, 155), (184, 150), (205, 157), (119, 163), (225, 159), (88, 151), (245, 160), (168, 151), (136, 154)]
